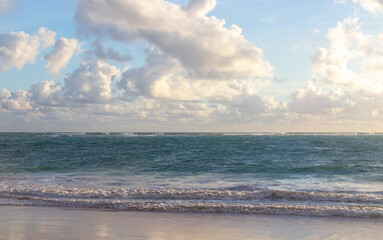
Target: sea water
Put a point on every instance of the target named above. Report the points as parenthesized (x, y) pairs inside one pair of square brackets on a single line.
[(324, 174)]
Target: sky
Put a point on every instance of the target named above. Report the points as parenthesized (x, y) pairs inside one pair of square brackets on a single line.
[(197, 65)]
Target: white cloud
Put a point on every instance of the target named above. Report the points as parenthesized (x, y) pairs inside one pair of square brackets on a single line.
[(47, 37), (193, 57), (351, 58), (88, 93), (41, 95), (200, 7), (201, 45), (375, 6), (336, 106), (63, 51), (17, 100), (194, 64), (311, 100), (196, 71), (91, 82), (46, 93), (351, 70), (240, 109), (108, 54), (160, 77), (163, 77), (20, 48), (4, 93)]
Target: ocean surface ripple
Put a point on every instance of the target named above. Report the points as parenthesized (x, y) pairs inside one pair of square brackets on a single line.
[(314, 174)]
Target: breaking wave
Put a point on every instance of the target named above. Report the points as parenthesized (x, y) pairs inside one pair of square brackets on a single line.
[(261, 201)]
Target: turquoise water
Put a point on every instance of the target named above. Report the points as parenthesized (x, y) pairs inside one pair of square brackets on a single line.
[(291, 173)]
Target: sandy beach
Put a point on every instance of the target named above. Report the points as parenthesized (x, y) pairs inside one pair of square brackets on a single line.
[(54, 223)]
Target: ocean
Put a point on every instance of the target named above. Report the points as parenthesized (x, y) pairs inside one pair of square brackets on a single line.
[(305, 174)]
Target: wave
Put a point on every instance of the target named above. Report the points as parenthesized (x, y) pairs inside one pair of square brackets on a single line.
[(207, 207), (191, 194), (261, 201)]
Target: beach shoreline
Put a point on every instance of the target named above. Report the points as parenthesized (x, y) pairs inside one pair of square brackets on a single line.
[(18, 222)]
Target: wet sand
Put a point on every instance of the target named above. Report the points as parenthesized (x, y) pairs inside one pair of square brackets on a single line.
[(54, 223)]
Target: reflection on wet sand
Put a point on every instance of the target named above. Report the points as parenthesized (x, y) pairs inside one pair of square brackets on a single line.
[(52, 223)]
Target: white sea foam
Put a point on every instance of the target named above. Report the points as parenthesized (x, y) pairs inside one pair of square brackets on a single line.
[(263, 201), (202, 206)]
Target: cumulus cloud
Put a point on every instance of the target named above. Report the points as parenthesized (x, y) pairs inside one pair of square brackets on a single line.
[(350, 69), (163, 77), (107, 54), (337, 105), (160, 77), (200, 7), (350, 47), (17, 100), (312, 100), (88, 93), (4, 93), (41, 95), (195, 67), (47, 37), (201, 45), (91, 82), (197, 70), (63, 51), (191, 58), (20, 48), (46, 93), (241, 109), (375, 6)]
